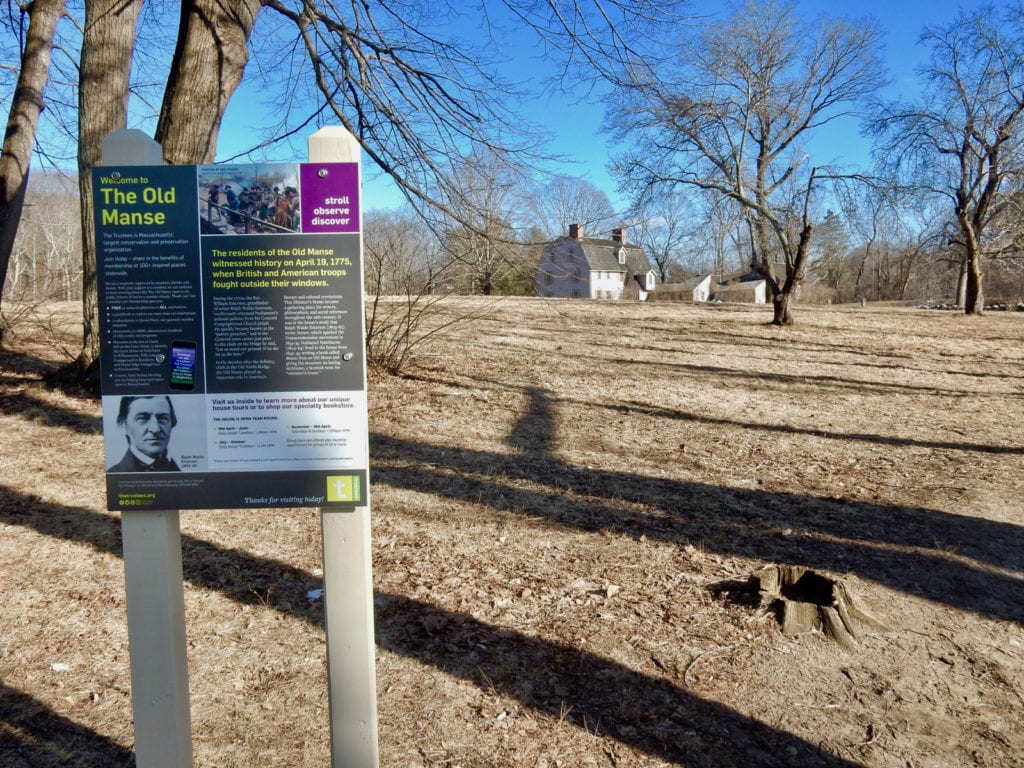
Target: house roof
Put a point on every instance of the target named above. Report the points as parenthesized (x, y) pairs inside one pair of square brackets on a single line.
[(751, 275), (743, 276), (603, 254), (686, 285)]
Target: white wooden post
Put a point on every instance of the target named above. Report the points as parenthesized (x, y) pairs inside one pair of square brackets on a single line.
[(156, 638), (348, 580), (154, 584)]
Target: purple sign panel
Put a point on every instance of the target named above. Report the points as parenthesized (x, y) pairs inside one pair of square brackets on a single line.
[(330, 197)]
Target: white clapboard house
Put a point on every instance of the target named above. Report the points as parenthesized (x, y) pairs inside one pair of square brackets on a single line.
[(594, 268)]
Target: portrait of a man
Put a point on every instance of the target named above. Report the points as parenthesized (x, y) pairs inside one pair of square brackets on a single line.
[(147, 423)]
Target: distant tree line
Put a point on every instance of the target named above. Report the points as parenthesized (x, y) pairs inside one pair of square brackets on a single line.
[(46, 260), (868, 249), (717, 124)]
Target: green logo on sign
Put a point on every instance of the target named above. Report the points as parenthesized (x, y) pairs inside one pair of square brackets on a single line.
[(343, 488)]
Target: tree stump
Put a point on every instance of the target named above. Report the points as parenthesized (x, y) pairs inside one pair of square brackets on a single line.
[(805, 600)]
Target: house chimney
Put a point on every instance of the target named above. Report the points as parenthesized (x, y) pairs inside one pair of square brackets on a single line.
[(576, 231), (619, 234)]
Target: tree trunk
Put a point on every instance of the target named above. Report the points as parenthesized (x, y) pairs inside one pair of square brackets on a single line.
[(208, 62), (108, 42), (970, 269), (781, 304), (207, 66), (974, 302), (23, 121), (858, 291), (782, 298), (961, 285)]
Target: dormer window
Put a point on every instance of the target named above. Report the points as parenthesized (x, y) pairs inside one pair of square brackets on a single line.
[(620, 253)]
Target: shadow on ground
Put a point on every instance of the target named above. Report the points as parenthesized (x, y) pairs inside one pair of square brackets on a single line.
[(649, 714)]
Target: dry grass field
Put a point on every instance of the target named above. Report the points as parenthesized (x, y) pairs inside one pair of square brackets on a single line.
[(568, 499)]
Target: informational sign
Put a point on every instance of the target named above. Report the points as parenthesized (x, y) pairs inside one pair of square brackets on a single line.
[(231, 325)]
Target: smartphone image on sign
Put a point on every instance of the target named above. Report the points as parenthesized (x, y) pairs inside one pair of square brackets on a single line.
[(183, 364)]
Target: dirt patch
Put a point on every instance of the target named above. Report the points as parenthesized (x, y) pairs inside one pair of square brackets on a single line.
[(559, 490)]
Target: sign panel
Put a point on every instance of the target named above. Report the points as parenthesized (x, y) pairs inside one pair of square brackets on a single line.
[(231, 327)]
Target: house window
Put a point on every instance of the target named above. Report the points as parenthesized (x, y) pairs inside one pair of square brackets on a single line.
[(548, 279), (621, 253), (575, 293)]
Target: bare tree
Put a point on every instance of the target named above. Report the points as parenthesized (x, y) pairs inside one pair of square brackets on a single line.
[(569, 200), (829, 256), (26, 105), (46, 261), (962, 141), (403, 255), (720, 237), (479, 234), (207, 66), (867, 212), (405, 275), (664, 226), (733, 117), (895, 233)]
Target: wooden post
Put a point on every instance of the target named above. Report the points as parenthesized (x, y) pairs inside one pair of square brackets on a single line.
[(348, 580), (155, 593), (154, 585)]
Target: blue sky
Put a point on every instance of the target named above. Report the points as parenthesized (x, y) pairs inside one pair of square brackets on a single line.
[(575, 120), (901, 22)]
